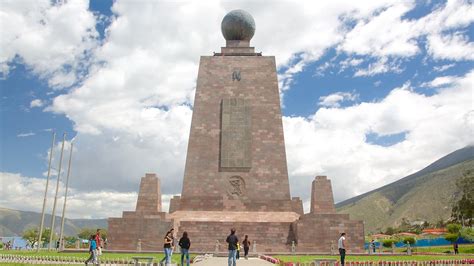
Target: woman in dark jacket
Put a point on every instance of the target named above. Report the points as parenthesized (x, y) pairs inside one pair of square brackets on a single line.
[(184, 244)]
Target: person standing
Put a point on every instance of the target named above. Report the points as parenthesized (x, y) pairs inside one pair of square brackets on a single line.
[(168, 242), (184, 243), (92, 250), (238, 251), (232, 240), (456, 248), (246, 244), (341, 244), (372, 245)]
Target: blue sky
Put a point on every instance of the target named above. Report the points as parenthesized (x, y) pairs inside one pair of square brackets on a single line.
[(369, 81)]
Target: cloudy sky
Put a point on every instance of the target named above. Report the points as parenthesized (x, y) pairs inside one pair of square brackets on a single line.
[(371, 91)]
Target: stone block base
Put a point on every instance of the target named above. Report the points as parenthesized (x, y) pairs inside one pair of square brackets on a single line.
[(319, 233), (208, 230), (137, 231)]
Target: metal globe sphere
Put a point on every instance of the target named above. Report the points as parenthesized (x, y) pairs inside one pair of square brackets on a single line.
[(238, 25)]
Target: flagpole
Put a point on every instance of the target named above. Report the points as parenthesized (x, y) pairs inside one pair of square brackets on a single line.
[(45, 194), (61, 241), (56, 195)]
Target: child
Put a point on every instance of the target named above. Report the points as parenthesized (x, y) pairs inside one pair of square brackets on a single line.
[(92, 250), (238, 251)]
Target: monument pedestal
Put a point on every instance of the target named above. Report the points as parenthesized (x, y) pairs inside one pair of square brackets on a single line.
[(318, 230), (143, 228)]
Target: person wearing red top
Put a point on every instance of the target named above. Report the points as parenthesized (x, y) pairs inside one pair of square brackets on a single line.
[(98, 241)]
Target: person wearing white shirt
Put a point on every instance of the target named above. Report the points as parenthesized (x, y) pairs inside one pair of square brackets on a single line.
[(341, 244)]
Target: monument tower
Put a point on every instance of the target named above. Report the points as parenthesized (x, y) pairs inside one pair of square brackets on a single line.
[(236, 153), (236, 171)]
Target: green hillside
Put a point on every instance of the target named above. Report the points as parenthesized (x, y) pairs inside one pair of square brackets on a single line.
[(14, 222), (426, 197)]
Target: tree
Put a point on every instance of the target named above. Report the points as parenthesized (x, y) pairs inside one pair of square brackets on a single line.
[(467, 233), (454, 228), (103, 233), (31, 235), (388, 242), (85, 233), (463, 209), (409, 239), (452, 237)]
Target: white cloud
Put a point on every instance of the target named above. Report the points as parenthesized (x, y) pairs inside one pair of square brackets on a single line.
[(439, 81), (443, 67), (23, 135), (382, 65), (454, 46), (388, 35), (36, 103), (50, 38), (333, 141), (80, 204), (335, 99)]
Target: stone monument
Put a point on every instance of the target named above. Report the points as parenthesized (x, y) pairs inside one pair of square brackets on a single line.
[(236, 171)]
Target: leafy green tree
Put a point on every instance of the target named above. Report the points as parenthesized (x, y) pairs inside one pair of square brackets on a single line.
[(85, 233), (388, 243), (103, 233), (454, 228), (409, 239), (452, 237), (467, 233), (463, 209), (31, 235)]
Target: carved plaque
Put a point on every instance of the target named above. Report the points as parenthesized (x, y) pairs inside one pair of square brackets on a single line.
[(235, 153), (237, 186)]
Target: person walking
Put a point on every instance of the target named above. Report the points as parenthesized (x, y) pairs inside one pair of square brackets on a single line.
[(232, 240), (184, 243), (341, 244), (168, 242), (246, 244), (92, 251), (98, 241)]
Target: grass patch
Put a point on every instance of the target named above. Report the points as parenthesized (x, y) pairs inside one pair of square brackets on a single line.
[(463, 249), (84, 255)]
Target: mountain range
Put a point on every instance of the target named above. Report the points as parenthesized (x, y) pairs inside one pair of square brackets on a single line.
[(427, 195), (14, 222)]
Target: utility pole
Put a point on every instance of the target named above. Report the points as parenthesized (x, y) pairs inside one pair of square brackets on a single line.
[(61, 241), (56, 195), (40, 233)]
